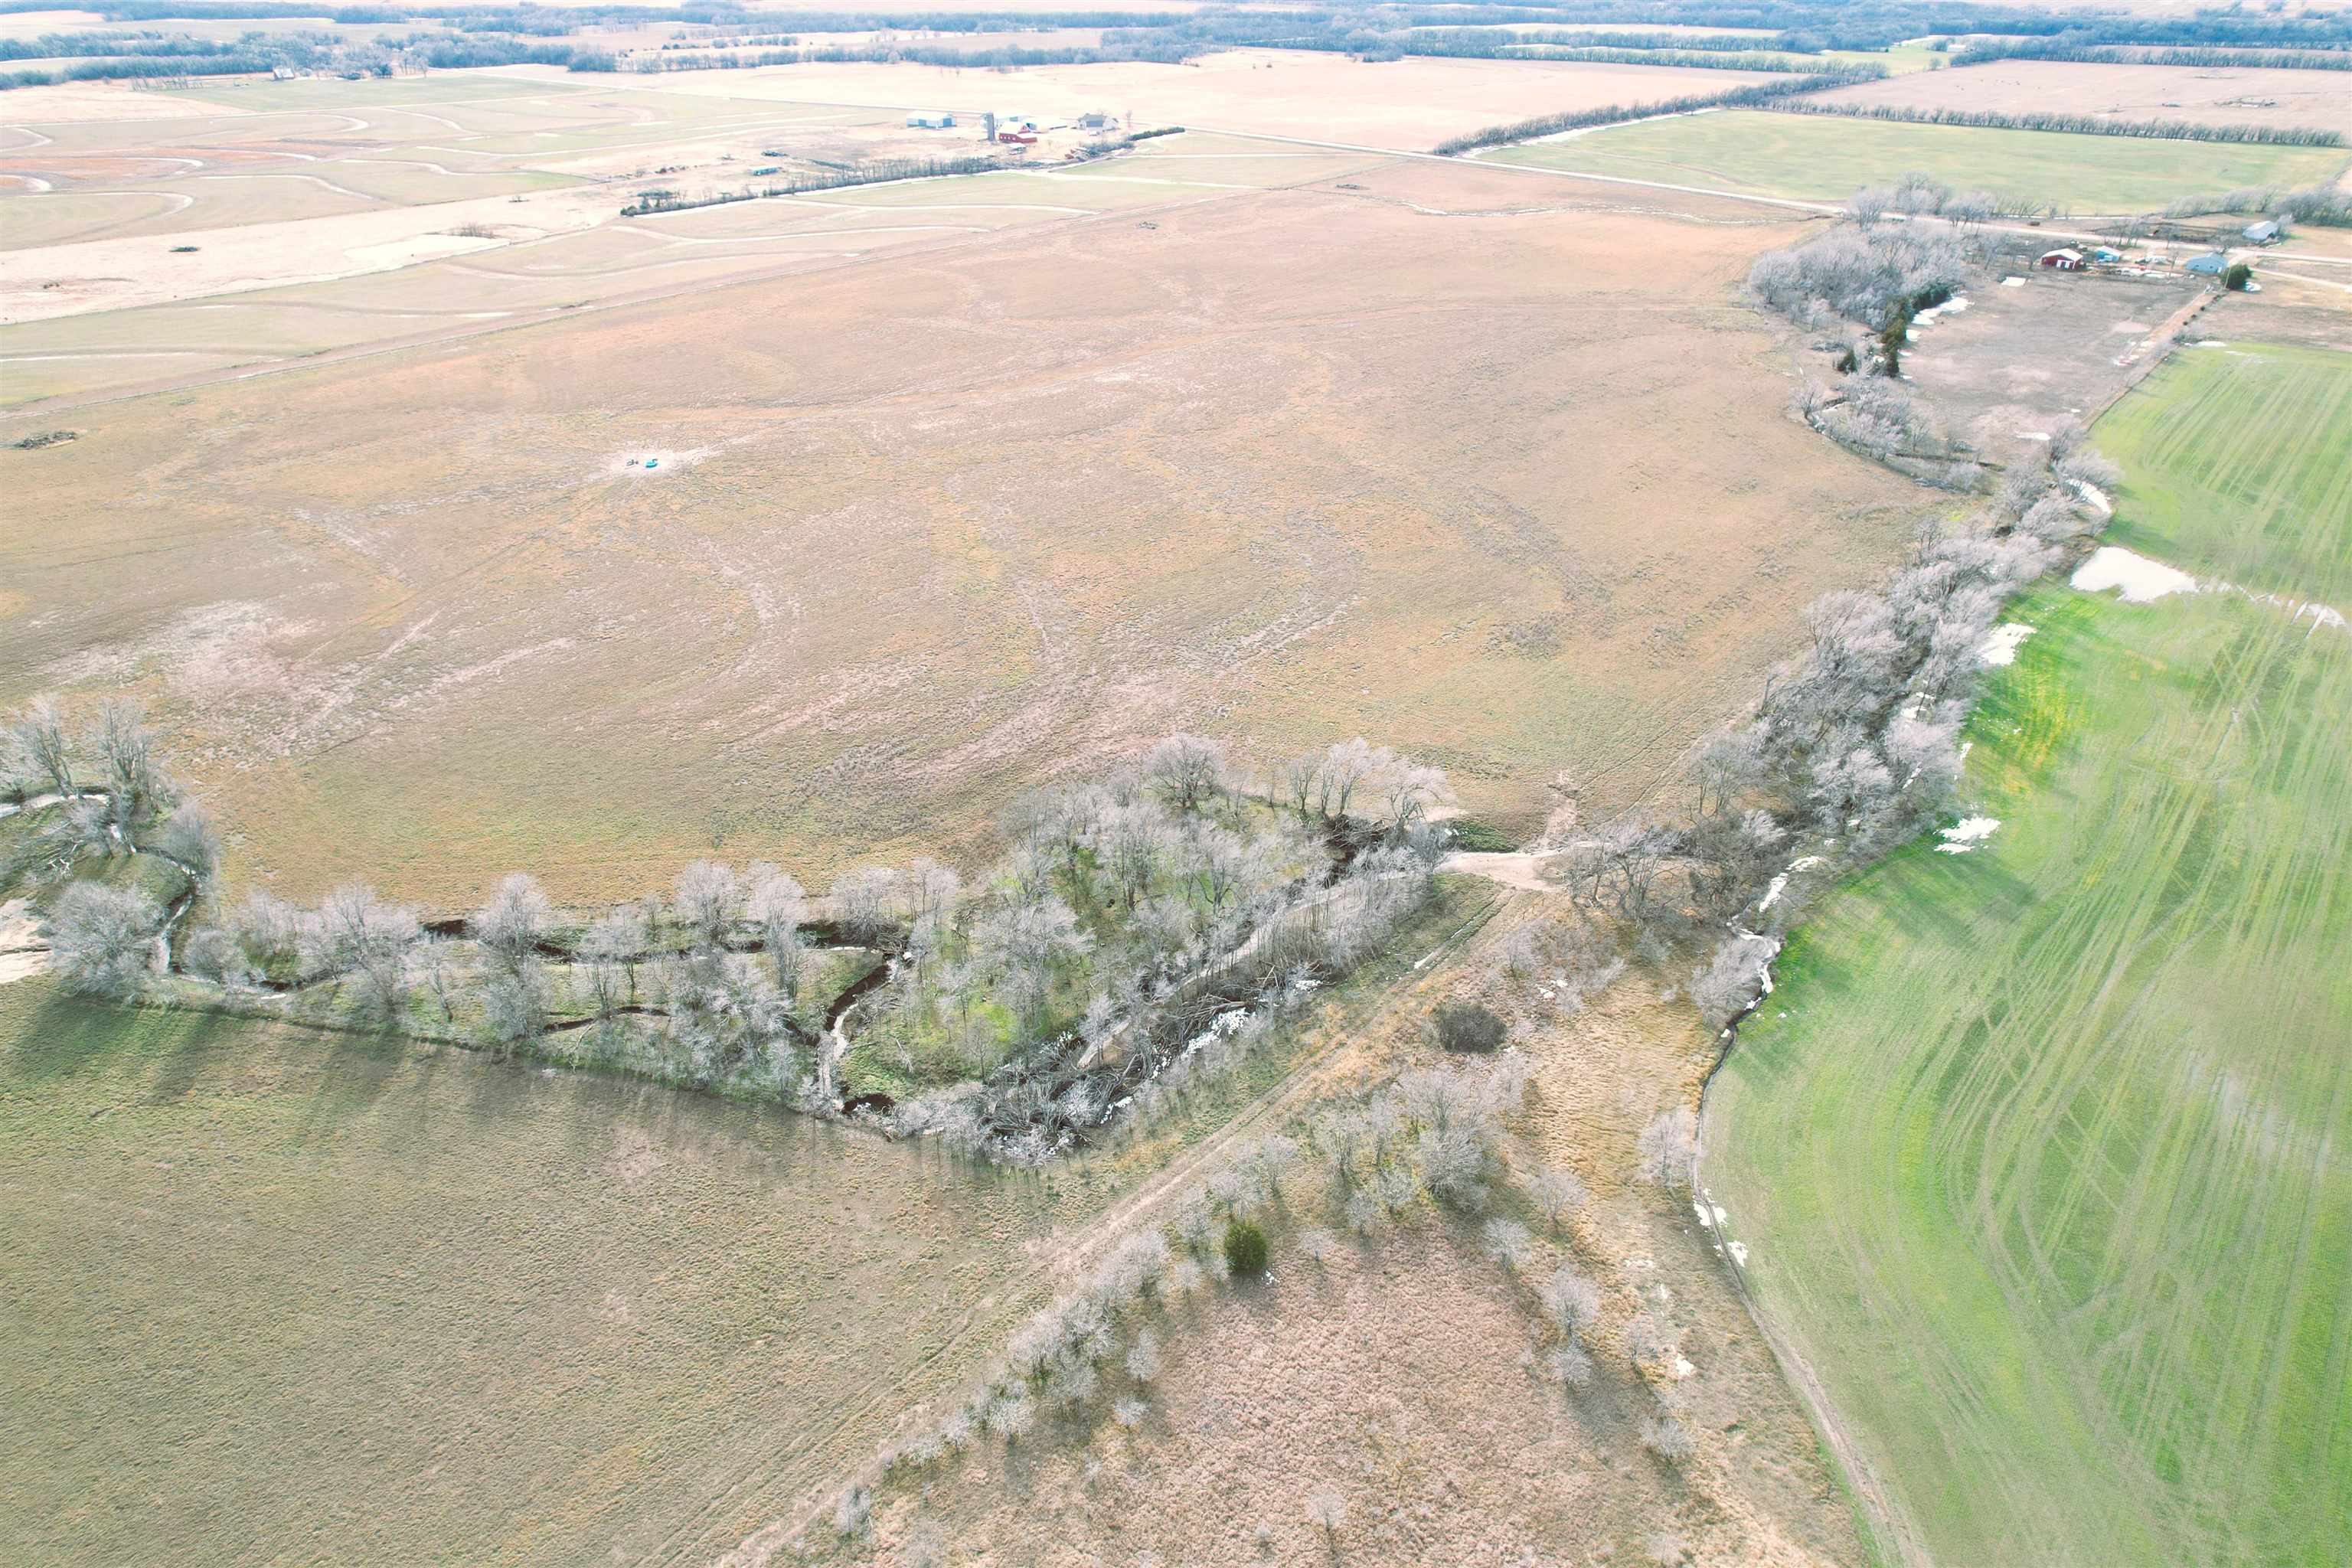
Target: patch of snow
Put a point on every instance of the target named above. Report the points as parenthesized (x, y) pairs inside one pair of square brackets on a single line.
[(2095, 496), (1966, 834), (1706, 1222), (2001, 647), (1683, 1368), (1780, 883), (2012, 282), (2031, 435), (2142, 581), (2209, 344), (1720, 1216), (1739, 1253)]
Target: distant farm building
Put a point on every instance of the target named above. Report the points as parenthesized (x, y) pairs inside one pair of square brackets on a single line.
[(2263, 232), (2211, 265), (2067, 261), (930, 122), (1093, 122)]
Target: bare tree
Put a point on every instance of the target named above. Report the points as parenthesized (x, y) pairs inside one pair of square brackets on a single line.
[(709, 895), (612, 947), (1731, 982), (515, 920), (1130, 842), (357, 933), (1026, 947), (514, 1005), (268, 930), (41, 735), (135, 784), (1556, 1193), (102, 938), (1506, 1242), (777, 906), (1665, 1436), (1570, 1300), (190, 838), (212, 953), (1668, 1146), (929, 892), (865, 901), (1569, 1365), (1187, 770)]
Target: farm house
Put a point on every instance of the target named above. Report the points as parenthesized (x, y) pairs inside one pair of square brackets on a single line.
[(2064, 260)]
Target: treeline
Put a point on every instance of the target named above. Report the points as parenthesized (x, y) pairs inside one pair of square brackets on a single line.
[(1854, 749), (1755, 97), (870, 174), (2326, 206), (1414, 44), (1989, 52), (696, 60), (2078, 125), (143, 68), (67, 46), (545, 22), (1811, 25), (1144, 935), (1797, 26), (1147, 49), (1716, 42), (459, 54)]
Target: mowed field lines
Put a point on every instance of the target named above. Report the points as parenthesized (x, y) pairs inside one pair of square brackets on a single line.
[(275, 1295), (2239, 457), (2043, 1153), (1826, 158)]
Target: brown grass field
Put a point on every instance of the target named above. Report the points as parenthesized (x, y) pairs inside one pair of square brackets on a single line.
[(2203, 95), (1409, 459), (1395, 1374), (1409, 104), (302, 1295)]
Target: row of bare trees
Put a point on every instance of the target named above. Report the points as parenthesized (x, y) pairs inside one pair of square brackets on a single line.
[(1851, 752), (1141, 933)]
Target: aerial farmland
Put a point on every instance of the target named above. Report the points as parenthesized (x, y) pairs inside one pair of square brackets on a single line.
[(1148, 783)]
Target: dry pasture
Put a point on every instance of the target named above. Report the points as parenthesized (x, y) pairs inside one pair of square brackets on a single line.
[(302, 1295), (1396, 1374), (1415, 459), (1407, 105)]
